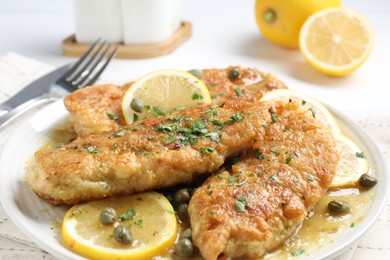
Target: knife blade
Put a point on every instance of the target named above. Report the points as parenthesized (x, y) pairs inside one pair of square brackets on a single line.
[(35, 89), (33, 94)]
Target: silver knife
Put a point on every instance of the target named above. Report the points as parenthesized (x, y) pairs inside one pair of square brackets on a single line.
[(39, 91)]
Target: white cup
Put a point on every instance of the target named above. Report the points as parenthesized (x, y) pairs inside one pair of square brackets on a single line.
[(98, 19), (132, 22), (149, 21)]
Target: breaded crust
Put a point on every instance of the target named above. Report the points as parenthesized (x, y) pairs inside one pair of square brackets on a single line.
[(155, 153), (89, 107), (252, 208)]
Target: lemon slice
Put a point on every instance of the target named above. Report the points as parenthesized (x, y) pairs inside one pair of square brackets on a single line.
[(352, 163), (152, 224), (336, 41), (318, 110), (162, 92)]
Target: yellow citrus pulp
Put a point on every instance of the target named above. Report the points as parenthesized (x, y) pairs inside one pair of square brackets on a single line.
[(336, 41), (161, 92), (152, 224), (280, 21), (352, 164)]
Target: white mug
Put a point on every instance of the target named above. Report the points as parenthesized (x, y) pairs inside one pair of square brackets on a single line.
[(149, 21), (132, 22), (98, 19)]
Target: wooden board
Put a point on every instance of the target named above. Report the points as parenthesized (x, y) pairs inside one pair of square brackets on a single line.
[(70, 47)]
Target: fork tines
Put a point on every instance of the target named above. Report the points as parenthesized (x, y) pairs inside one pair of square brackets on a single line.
[(88, 68)]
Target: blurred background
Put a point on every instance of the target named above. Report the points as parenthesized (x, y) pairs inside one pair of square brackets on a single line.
[(224, 33)]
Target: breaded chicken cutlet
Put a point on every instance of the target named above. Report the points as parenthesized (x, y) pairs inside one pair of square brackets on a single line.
[(287, 160), (154, 153), (89, 106), (252, 208)]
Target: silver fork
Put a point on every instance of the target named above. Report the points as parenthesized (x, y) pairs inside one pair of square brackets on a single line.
[(60, 82)]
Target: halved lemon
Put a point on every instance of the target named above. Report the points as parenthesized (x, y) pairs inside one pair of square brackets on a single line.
[(336, 41), (352, 164), (318, 110), (148, 216), (162, 92)]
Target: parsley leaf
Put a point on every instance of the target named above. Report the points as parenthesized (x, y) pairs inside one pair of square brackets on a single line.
[(129, 215), (112, 116)]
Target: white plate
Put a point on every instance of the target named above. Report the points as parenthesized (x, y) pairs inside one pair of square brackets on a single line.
[(40, 221)]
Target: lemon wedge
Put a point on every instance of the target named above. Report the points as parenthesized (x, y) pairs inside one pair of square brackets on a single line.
[(336, 41), (352, 164), (148, 216), (162, 92), (318, 110)]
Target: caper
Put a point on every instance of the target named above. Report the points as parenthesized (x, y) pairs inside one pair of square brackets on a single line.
[(339, 207), (182, 211), (186, 233), (182, 196), (184, 248), (137, 105), (197, 73), (107, 216), (234, 73), (367, 181), (122, 235)]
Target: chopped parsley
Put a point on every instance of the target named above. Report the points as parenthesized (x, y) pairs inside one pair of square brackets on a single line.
[(235, 118), (274, 150), (238, 92), (274, 118), (288, 159), (207, 150), (118, 134), (129, 215), (112, 116), (92, 149), (241, 203), (231, 180), (220, 175), (298, 252), (170, 140), (360, 155), (159, 111), (258, 154), (139, 149), (196, 96), (135, 117), (217, 122)]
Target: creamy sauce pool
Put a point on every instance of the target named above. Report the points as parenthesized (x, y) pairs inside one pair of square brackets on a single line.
[(319, 229)]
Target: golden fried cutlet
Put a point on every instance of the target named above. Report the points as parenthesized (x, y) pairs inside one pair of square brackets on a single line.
[(155, 153), (89, 107), (252, 208)]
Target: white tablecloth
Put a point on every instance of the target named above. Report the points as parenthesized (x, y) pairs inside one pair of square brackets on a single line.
[(16, 71)]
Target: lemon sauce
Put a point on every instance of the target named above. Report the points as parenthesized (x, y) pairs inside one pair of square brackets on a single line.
[(321, 228)]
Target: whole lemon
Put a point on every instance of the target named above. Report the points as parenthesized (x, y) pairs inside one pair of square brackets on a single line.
[(280, 20)]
